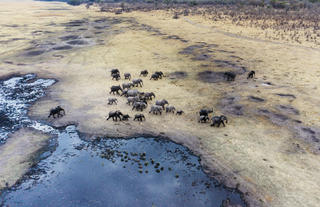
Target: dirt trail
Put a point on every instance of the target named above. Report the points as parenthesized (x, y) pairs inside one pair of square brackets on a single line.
[(270, 147)]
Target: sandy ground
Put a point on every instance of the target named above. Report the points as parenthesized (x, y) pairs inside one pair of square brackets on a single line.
[(270, 147), (16, 155)]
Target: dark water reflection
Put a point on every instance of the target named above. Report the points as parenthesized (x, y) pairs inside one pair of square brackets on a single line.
[(118, 172)]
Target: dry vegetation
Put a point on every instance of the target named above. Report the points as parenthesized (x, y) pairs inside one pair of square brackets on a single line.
[(297, 25)]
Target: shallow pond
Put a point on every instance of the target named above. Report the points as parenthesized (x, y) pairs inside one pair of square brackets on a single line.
[(118, 172)]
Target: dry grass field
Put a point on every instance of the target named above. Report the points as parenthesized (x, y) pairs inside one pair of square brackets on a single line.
[(269, 149)]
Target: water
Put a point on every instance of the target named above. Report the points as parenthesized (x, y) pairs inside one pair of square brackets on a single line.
[(16, 96), (104, 172), (118, 172)]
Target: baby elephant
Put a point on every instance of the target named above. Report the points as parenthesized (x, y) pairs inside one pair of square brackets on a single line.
[(57, 111), (125, 117), (218, 120), (139, 117), (203, 119), (251, 74), (112, 101), (144, 73), (170, 109), (179, 112), (127, 76)]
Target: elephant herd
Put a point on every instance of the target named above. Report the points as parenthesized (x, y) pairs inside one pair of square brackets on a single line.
[(138, 100)]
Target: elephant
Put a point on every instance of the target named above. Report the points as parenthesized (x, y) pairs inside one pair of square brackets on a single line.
[(57, 111), (162, 103), (155, 109), (127, 76), (251, 74), (137, 82), (115, 71), (127, 85), (170, 109), (229, 76), (116, 76), (116, 89), (115, 115), (203, 119), (159, 73), (218, 120), (125, 117), (112, 101), (132, 100), (139, 117), (205, 112), (144, 73), (139, 106), (179, 112), (149, 95), (154, 76), (131, 92)]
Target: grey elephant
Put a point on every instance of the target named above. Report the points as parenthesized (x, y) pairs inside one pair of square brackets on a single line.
[(137, 82), (131, 92), (170, 109), (127, 85), (162, 103), (127, 76), (218, 120), (139, 117), (139, 106), (112, 101), (155, 109), (116, 89), (115, 115), (149, 95), (132, 100)]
